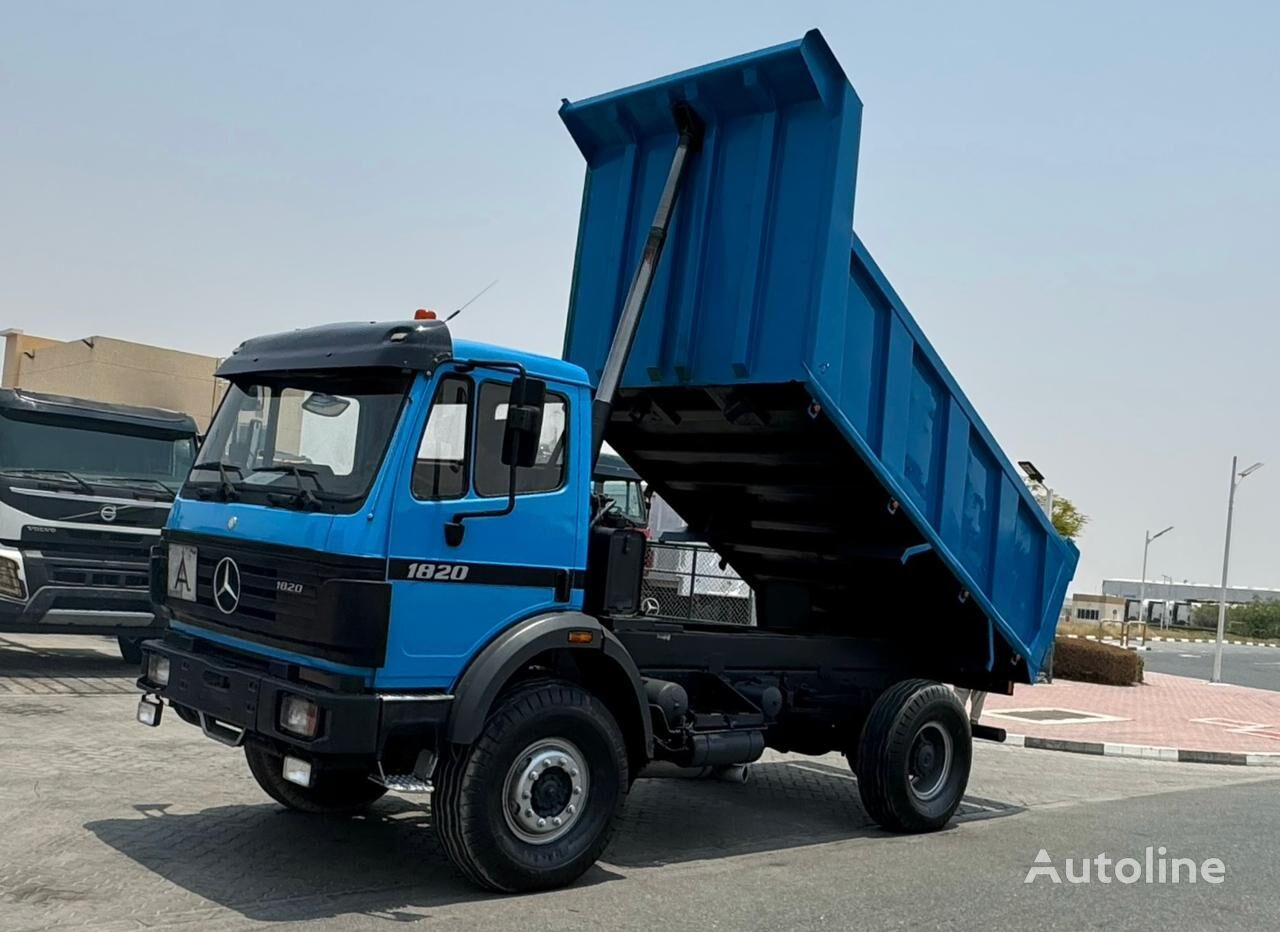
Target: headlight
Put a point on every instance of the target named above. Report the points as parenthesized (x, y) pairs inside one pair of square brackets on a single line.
[(158, 669), (11, 579), (299, 716)]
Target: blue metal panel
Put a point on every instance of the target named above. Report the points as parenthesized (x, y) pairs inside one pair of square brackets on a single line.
[(763, 221), (437, 628), (761, 283)]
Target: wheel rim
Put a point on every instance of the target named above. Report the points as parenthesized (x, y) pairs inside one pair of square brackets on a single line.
[(545, 791), (929, 761)]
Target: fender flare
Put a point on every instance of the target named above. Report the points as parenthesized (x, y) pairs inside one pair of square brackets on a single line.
[(483, 679)]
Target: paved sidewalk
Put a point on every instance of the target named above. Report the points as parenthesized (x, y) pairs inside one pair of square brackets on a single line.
[(1165, 711)]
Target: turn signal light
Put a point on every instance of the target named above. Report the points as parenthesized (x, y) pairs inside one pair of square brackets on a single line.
[(581, 637)]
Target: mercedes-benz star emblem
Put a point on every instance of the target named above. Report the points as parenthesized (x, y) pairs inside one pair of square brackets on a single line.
[(226, 585), (107, 513)]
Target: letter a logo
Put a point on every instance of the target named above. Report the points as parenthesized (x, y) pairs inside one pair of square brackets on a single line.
[(1043, 867)]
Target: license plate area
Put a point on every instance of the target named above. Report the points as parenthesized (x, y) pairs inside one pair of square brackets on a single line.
[(182, 572)]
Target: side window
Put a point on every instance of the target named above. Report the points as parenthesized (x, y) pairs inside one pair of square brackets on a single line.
[(548, 473), (440, 470)]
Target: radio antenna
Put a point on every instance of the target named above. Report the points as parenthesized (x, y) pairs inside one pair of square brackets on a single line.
[(474, 298)]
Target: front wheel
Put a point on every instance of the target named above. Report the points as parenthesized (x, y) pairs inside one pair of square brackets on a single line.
[(130, 650), (333, 792), (531, 804), (914, 756)]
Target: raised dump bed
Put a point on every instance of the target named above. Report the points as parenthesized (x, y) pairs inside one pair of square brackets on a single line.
[(780, 395)]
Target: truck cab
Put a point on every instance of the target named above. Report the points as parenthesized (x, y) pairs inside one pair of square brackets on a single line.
[(85, 487), (384, 530)]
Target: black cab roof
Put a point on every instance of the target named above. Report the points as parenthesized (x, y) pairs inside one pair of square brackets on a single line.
[(19, 402)]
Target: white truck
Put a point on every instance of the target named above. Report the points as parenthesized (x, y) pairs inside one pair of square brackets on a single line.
[(85, 487)]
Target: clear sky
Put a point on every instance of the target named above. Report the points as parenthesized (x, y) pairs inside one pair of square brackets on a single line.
[(1080, 202)]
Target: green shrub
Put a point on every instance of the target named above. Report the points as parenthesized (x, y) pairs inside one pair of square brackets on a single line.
[(1092, 662)]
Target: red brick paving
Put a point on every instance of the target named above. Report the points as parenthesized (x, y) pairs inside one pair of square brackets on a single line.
[(1159, 712)]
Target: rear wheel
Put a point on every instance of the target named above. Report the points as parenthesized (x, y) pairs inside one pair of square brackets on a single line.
[(531, 804), (913, 757), (333, 792), (130, 649)]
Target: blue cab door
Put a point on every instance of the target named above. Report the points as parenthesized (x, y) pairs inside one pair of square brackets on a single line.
[(449, 601)]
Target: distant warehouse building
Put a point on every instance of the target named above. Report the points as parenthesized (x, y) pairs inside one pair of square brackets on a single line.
[(1186, 591), (106, 369)]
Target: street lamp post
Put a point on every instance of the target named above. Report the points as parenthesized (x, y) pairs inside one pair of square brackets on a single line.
[(1226, 562), (1142, 584), (1168, 599)]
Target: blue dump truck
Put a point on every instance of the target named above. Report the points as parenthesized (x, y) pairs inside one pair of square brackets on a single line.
[(387, 570)]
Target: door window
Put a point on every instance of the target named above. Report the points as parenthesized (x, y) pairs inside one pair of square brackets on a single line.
[(492, 475), (440, 470)]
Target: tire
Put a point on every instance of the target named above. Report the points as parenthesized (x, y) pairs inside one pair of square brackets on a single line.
[(130, 650), (539, 731), (336, 792), (913, 757)]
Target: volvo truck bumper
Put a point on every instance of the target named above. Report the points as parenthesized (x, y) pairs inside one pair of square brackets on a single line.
[(52, 594)]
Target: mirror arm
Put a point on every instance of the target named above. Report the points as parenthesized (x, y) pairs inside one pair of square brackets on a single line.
[(454, 530), (466, 365)]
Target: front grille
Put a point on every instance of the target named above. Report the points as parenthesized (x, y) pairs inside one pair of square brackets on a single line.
[(259, 598), (87, 544), (261, 571), (97, 576), (336, 607)]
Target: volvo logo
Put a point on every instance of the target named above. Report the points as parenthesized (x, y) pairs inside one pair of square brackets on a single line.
[(107, 513), (226, 585)]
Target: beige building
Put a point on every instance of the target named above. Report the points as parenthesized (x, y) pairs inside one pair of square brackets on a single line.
[(1096, 608), (105, 369)]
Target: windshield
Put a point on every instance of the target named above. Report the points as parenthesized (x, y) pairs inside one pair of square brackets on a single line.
[(302, 440), (80, 452)]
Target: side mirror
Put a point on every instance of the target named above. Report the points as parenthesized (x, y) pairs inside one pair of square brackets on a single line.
[(524, 422)]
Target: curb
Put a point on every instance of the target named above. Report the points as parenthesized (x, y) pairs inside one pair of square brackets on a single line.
[(1145, 752), (1111, 640)]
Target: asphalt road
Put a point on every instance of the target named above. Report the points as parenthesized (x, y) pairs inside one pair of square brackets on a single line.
[(1258, 667), (107, 825)]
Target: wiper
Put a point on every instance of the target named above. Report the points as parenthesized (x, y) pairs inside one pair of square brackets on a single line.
[(297, 472), (139, 481), (72, 477), (304, 496), (229, 491)]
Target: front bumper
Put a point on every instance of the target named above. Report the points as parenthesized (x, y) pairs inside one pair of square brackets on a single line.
[(80, 609), (233, 701), (77, 593)]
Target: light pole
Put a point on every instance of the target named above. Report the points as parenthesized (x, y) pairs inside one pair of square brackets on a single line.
[(1168, 598), (1226, 561), (1142, 584)]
